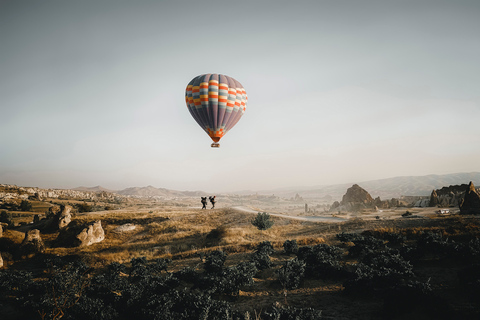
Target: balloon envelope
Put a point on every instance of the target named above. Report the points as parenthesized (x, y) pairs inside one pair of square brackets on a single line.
[(216, 102)]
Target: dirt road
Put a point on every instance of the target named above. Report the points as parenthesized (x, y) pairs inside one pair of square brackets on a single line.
[(303, 218)]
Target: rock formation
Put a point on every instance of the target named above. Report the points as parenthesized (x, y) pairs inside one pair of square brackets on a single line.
[(433, 199), (78, 235), (32, 243), (57, 218), (356, 194), (53, 210), (64, 217), (24, 193), (92, 233), (471, 201), (355, 199)]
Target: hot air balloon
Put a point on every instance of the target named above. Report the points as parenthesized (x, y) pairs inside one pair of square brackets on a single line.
[(216, 102)]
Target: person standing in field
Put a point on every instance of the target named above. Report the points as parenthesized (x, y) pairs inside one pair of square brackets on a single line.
[(212, 200), (204, 202)]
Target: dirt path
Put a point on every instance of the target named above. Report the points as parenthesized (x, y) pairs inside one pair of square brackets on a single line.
[(303, 218)]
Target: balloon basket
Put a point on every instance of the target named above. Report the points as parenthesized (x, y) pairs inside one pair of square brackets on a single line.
[(215, 145)]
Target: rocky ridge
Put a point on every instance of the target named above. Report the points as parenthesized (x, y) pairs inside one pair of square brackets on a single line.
[(451, 196), (8, 192)]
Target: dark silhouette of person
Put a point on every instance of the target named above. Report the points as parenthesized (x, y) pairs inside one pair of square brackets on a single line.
[(204, 202), (212, 200)]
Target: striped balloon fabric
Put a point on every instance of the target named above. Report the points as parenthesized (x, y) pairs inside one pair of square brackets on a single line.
[(216, 102)]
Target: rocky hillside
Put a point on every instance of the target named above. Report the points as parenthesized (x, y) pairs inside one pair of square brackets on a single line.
[(153, 192), (384, 188), (14, 192)]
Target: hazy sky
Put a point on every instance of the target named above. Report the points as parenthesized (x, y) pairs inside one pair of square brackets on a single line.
[(92, 92)]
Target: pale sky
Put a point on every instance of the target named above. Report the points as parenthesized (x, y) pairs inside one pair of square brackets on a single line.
[(92, 92)]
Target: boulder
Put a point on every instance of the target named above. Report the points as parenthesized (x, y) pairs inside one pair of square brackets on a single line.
[(32, 243), (92, 233), (80, 235), (125, 228), (57, 218), (64, 217), (471, 201), (53, 211)]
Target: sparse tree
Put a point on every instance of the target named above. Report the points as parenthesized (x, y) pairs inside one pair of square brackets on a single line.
[(262, 221)]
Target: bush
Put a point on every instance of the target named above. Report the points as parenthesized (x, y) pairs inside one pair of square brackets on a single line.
[(262, 221), (265, 247), (261, 260), (321, 260), (6, 217), (290, 246), (379, 272), (291, 273), (348, 237), (25, 206), (84, 207), (215, 261), (365, 245)]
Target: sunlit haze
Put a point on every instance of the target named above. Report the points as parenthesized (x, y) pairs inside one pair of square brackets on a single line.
[(92, 92)]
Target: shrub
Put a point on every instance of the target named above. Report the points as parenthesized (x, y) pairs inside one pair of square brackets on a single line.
[(321, 260), (261, 260), (262, 221), (215, 261), (348, 237), (378, 272), (84, 207), (6, 217), (365, 245), (265, 247), (25, 206), (290, 246), (291, 273), (63, 289)]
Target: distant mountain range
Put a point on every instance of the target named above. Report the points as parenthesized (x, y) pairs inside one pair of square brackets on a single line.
[(148, 191), (383, 188)]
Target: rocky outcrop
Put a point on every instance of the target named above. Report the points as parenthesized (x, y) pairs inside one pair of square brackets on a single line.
[(14, 192), (80, 235), (450, 196), (92, 233), (355, 199), (57, 218), (53, 210), (471, 201), (422, 203), (356, 194), (433, 199), (32, 243), (64, 217)]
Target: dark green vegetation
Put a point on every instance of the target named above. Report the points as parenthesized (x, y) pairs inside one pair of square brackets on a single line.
[(262, 221), (405, 273)]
